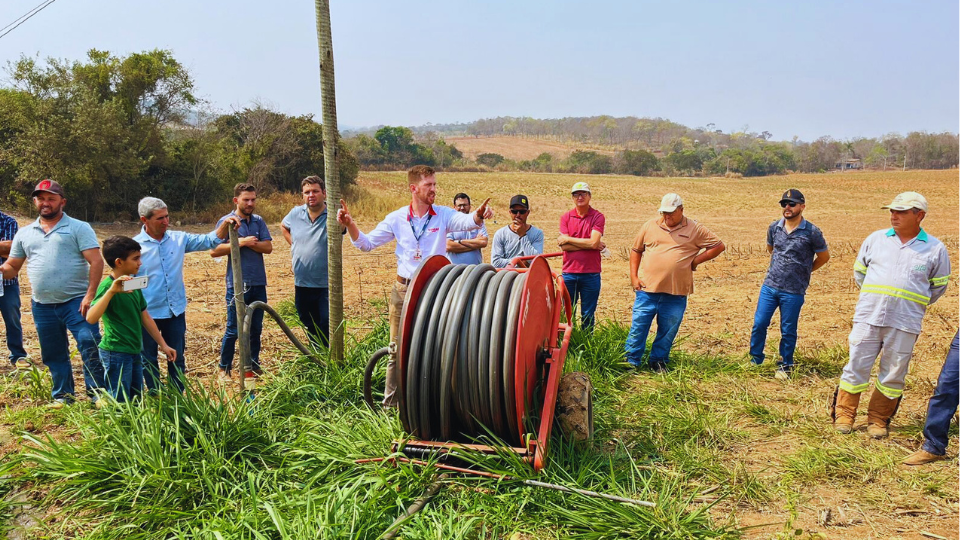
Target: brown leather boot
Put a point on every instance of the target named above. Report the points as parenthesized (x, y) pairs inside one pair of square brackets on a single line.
[(843, 410), (920, 457), (879, 413)]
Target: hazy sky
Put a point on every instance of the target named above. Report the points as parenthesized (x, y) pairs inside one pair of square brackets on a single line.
[(805, 68)]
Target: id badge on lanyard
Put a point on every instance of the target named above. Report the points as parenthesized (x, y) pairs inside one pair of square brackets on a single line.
[(418, 254)]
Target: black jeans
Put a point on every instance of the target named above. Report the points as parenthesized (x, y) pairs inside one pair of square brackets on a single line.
[(313, 308)]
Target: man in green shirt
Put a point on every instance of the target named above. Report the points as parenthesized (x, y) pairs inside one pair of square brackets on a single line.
[(125, 316)]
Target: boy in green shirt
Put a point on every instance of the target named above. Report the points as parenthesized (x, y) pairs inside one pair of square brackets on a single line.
[(124, 316)]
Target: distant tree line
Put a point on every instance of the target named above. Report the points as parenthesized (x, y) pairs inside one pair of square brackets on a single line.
[(113, 129), (645, 146)]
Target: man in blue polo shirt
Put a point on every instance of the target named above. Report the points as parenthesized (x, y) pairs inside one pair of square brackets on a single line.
[(10, 298), (255, 242), (64, 265), (798, 248), (305, 229), (162, 253)]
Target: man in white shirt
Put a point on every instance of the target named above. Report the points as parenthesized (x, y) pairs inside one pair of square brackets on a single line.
[(421, 232)]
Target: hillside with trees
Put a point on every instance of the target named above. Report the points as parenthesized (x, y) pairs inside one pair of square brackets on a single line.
[(656, 146), (113, 129)]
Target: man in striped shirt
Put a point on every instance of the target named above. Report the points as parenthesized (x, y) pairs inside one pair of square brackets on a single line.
[(900, 271)]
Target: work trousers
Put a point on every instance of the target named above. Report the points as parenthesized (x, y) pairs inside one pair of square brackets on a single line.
[(52, 322), (228, 345), (313, 308), (770, 300), (174, 332), (943, 404), (585, 290), (10, 310), (668, 310), (397, 295), (893, 347)]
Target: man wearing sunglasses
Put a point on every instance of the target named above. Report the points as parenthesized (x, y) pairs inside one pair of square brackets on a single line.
[(463, 247), (798, 248), (519, 239), (665, 254)]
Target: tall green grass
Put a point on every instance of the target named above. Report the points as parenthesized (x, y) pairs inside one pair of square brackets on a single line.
[(210, 465)]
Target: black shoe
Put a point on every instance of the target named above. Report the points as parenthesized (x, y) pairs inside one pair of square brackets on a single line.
[(659, 367)]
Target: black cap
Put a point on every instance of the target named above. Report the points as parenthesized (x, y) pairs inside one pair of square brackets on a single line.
[(520, 200), (794, 196)]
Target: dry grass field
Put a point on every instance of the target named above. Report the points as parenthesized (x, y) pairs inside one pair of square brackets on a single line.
[(778, 446), (518, 148)]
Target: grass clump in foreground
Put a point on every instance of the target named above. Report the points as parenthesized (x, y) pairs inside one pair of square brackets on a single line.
[(210, 465)]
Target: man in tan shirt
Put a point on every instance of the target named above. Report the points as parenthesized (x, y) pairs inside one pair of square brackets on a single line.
[(665, 254)]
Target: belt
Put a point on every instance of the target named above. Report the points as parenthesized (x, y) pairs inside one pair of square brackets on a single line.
[(403, 280)]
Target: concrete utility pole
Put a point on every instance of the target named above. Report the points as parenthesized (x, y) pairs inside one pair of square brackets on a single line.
[(331, 176)]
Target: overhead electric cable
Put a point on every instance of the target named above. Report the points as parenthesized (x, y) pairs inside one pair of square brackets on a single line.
[(24, 18)]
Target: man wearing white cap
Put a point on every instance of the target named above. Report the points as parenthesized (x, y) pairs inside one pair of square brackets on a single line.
[(665, 254), (581, 231), (900, 271)]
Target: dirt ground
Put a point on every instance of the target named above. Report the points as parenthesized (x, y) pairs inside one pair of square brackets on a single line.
[(720, 313), (519, 148)]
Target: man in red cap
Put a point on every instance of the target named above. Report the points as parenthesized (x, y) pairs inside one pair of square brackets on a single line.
[(64, 265)]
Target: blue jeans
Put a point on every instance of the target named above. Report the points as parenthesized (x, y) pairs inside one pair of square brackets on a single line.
[(229, 344), (122, 373), (10, 311), (584, 288), (313, 308), (174, 332), (769, 300), (943, 404), (52, 322), (668, 309)]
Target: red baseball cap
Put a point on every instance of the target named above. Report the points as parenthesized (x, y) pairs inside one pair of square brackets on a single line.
[(50, 186)]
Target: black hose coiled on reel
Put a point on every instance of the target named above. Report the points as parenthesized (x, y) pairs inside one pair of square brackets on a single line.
[(460, 370)]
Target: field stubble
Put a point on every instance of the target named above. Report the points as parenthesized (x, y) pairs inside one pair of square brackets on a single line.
[(769, 442)]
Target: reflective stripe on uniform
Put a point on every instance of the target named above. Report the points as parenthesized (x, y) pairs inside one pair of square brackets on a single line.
[(893, 291), (891, 393), (940, 281), (857, 267), (853, 389)]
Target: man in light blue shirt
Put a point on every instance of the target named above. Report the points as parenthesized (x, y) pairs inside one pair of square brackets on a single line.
[(64, 265), (519, 239), (463, 247), (305, 229), (162, 252)]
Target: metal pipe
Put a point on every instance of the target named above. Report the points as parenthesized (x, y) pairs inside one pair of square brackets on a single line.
[(418, 505), (238, 294), (531, 483)]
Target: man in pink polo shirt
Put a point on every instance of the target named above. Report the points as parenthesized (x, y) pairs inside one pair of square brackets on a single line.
[(581, 230)]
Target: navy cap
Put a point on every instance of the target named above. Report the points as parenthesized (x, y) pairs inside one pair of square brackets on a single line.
[(794, 196)]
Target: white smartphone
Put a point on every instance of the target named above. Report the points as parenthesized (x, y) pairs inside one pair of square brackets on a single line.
[(133, 284)]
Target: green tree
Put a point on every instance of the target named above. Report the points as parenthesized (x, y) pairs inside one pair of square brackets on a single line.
[(636, 162), (489, 160), (95, 126)]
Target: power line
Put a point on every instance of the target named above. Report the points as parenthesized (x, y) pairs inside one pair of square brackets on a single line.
[(24, 18)]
